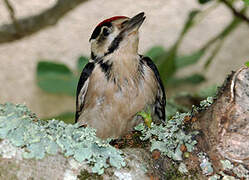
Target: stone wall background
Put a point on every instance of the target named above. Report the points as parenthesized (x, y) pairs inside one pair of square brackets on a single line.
[(69, 39)]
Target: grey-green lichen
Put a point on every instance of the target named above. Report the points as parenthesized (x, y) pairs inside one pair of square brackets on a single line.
[(241, 171), (207, 102), (221, 175), (37, 138), (169, 137), (205, 164), (214, 177), (226, 164), (203, 104), (8, 151), (182, 168)]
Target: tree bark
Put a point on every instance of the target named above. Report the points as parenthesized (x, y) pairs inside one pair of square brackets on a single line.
[(225, 125), (32, 24)]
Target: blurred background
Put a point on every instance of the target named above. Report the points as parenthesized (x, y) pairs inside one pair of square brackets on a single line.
[(44, 46)]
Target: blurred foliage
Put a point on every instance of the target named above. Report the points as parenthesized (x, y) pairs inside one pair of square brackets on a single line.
[(203, 1), (184, 101), (169, 62), (246, 2), (208, 92), (247, 63), (67, 117), (230, 1), (58, 78), (54, 77)]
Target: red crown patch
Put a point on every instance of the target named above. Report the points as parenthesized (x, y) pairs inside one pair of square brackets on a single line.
[(112, 19)]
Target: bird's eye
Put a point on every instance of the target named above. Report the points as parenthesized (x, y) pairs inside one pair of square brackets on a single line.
[(106, 31)]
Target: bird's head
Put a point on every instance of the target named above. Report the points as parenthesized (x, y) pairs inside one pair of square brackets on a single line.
[(116, 33)]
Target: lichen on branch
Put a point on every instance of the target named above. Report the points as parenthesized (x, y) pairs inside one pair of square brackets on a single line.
[(38, 138)]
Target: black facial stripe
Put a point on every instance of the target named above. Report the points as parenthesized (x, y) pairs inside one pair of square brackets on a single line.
[(97, 30), (106, 68), (115, 43)]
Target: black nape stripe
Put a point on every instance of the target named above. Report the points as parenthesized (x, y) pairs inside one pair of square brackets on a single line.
[(106, 68), (93, 56)]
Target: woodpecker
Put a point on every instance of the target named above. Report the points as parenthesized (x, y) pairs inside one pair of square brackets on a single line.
[(117, 83)]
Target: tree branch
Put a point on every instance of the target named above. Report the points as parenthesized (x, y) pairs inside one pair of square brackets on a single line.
[(11, 11), (224, 123), (235, 12), (32, 24)]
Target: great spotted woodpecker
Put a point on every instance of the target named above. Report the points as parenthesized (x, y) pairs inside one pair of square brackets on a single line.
[(117, 82)]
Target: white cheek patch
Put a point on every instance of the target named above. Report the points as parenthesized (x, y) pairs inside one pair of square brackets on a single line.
[(101, 47), (111, 37)]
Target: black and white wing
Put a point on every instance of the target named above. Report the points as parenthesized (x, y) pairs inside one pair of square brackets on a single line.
[(160, 101), (82, 88)]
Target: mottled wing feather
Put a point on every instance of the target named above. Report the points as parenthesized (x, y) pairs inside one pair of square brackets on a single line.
[(160, 101), (82, 88)]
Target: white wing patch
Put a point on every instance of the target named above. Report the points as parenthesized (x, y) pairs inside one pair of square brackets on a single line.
[(82, 95)]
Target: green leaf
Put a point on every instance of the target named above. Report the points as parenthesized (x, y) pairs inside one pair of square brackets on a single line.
[(247, 63), (147, 117), (213, 54), (203, 1), (45, 67), (166, 64), (192, 79), (155, 52), (208, 91), (230, 28), (172, 108), (56, 78), (246, 2), (190, 21), (82, 61), (187, 60)]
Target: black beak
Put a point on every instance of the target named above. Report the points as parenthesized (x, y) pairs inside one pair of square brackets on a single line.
[(134, 23)]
